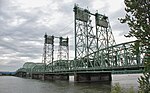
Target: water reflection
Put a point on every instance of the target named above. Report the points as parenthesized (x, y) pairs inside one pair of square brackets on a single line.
[(103, 87), (73, 87)]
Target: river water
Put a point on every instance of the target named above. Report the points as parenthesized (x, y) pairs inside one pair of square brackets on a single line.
[(10, 84)]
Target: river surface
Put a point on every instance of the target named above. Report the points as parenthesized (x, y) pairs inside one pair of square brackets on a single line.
[(10, 84)]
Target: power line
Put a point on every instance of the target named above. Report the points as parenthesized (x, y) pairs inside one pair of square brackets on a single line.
[(67, 26)]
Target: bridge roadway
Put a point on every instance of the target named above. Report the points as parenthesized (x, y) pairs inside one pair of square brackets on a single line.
[(97, 66)]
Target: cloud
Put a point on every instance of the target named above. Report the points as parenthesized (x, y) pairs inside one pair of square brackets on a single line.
[(12, 65), (20, 40), (23, 25), (122, 29)]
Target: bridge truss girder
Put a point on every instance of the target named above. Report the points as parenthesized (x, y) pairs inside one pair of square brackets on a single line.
[(120, 56)]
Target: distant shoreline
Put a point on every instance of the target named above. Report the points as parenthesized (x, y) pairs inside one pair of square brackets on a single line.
[(7, 73)]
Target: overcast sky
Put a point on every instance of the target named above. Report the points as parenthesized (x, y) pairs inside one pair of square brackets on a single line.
[(23, 24)]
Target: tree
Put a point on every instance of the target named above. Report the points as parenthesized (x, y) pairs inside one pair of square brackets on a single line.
[(138, 19)]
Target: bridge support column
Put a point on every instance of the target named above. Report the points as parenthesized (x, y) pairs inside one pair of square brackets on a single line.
[(35, 76), (21, 74), (56, 76), (28, 75), (38, 76), (49, 76), (42, 76), (61, 77), (92, 77)]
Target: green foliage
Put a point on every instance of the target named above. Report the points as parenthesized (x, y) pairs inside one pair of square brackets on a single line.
[(117, 89), (144, 83), (138, 19), (131, 90)]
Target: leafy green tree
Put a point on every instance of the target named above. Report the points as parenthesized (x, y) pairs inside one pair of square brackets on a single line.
[(138, 19), (144, 83)]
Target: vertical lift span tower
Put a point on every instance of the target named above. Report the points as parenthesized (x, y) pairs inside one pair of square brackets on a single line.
[(48, 55), (90, 39)]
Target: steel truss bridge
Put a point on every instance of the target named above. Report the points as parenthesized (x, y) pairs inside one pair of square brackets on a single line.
[(121, 60), (95, 50)]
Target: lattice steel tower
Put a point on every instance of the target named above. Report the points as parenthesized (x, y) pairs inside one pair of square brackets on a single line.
[(104, 34), (63, 50), (87, 39), (48, 55)]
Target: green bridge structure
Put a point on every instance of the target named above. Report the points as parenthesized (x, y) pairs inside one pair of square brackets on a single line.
[(97, 55)]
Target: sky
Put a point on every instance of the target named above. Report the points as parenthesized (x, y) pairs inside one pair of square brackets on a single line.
[(23, 24)]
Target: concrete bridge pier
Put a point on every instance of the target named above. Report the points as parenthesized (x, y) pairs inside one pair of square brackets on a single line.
[(35, 76), (92, 77), (42, 76), (56, 77), (28, 75), (61, 77), (38, 76), (49, 77), (21, 74)]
